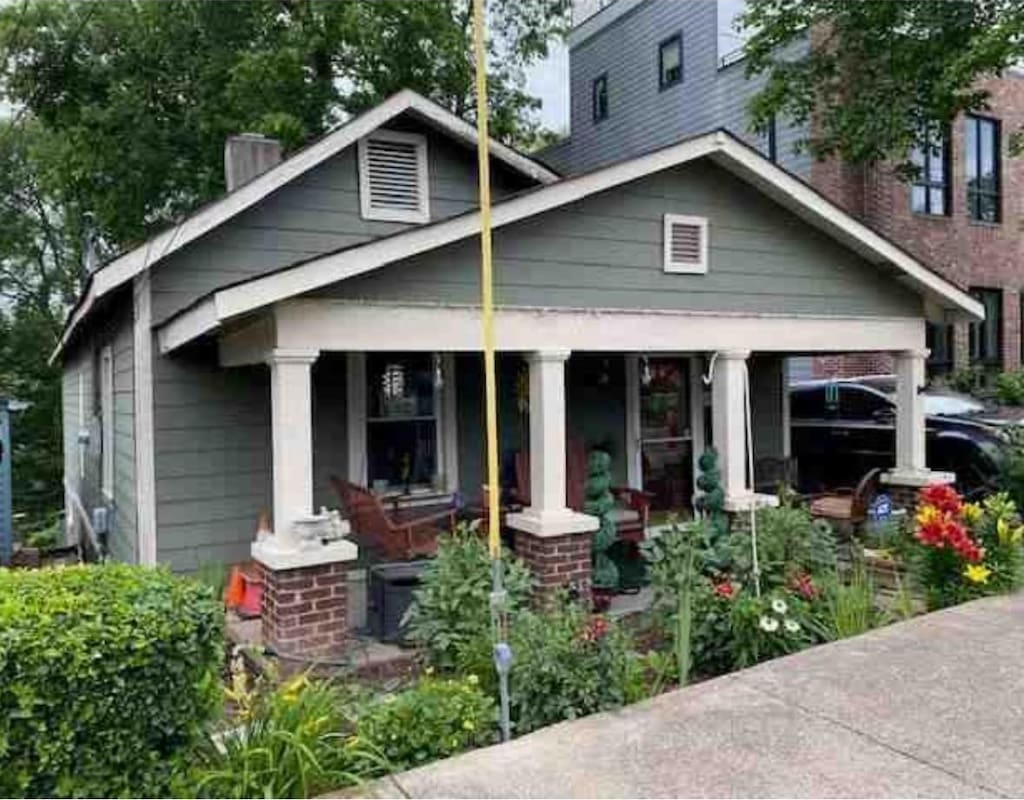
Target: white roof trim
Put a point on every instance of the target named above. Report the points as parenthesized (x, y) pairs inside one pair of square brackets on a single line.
[(724, 148), (127, 266)]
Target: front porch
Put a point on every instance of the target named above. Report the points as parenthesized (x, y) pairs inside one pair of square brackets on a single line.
[(391, 398)]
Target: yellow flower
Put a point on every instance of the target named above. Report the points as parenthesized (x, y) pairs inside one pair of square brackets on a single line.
[(472, 680), (1008, 535), (971, 513), (468, 725), (926, 514), (977, 573)]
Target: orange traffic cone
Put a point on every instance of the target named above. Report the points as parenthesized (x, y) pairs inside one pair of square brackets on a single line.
[(235, 591)]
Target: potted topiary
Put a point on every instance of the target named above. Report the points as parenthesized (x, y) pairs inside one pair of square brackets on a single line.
[(599, 503)]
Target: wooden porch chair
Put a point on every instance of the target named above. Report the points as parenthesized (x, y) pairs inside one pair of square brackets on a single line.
[(388, 537), (848, 507)]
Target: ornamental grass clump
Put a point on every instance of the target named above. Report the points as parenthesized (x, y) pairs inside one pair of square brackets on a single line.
[(108, 674), (966, 550)]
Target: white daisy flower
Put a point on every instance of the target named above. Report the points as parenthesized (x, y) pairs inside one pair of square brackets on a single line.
[(792, 625), (779, 606), (768, 624)]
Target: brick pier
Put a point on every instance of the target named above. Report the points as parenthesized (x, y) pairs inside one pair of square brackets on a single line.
[(557, 562)]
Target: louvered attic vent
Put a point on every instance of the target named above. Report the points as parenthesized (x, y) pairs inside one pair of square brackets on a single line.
[(686, 244), (393, 177)]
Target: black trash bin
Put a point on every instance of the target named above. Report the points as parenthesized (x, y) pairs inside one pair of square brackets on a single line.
[(390, 594)]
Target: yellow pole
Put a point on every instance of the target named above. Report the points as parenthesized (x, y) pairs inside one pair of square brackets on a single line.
[(486, 280)]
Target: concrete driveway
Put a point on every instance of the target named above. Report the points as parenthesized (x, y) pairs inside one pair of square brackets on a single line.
[(933, 707)]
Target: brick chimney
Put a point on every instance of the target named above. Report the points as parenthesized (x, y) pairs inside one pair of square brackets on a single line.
[(248, 155)]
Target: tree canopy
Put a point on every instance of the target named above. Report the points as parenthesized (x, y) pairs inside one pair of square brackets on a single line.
[(877, 73), (118, 113)]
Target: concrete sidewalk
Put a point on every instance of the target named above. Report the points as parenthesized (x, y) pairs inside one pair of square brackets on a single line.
[(929, 707)]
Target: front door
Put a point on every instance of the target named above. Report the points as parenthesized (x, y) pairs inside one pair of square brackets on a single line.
[(666, 442)]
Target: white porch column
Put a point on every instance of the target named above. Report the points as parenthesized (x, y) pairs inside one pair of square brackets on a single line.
[(728, 421), (292, 421), (547, 513), (911, 465)]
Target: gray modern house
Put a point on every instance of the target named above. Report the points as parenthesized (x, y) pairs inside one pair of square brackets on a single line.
[(322, 318)]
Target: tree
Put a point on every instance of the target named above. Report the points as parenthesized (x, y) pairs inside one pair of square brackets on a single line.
[(121, 110), (876, 74)]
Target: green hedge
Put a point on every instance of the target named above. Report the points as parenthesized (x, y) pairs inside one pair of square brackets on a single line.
[(107, 674)]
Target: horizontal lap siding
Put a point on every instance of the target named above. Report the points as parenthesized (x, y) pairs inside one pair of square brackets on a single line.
[(213, 458), (317, 213), (641, 117), (605, 251), (123, 538)]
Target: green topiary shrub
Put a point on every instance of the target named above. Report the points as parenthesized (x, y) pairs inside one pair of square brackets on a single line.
[(107, 675), (1010, 388), (600, 504), (434, 719)]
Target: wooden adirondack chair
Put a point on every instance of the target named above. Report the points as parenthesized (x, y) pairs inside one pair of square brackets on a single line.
[(848, 507), (390, 537)]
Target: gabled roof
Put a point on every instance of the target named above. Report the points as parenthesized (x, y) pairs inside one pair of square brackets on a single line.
[(720, 146), (125, 267)]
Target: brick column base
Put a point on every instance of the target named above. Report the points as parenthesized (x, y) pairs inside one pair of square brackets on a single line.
[(304, 610), (903, 492), (557, 562)]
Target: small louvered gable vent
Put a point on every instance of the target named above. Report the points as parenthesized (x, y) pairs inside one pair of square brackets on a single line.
[(393, 177), (686, 244)]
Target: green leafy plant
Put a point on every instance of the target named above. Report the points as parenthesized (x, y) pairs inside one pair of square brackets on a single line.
[(711, 637), (436, 718), (767, 627), (569, 664), (790, 542), (674, 566), (285, 740), (968, 380), (600, 503), (847, 604), (450, 617), (1010, 388), (108, 674)]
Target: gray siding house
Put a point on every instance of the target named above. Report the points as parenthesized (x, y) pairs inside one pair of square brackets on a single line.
[(322, 319), (621, 47)]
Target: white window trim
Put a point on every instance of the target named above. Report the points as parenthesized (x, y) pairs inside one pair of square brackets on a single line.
[(445, 421), (671, 266), (106, 378), (422, 214)]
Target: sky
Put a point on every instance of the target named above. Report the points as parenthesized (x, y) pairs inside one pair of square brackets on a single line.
[(549, 80)]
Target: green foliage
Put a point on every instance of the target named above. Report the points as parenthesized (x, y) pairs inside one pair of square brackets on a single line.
[(600, 503), (450, 616), (876, 74), (847, 604), (968, 380), (711, 638), (767, 627), (675, 567), (290, 740), (436, 718), (789, 542), (568, 664), (1001, 534), (711, 503), (1011, 465), (107, 675), (1010, 388)]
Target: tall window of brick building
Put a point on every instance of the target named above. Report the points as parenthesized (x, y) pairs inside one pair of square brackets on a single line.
[(981, 157), (985, 337), (929, 193)]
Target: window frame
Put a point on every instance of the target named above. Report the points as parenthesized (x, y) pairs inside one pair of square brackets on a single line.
[(677, 39), (975, 194), (977, 330), (927, 148), (367, 211), (595, 109)]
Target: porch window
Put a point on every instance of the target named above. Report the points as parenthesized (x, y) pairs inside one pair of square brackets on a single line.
[(985, 337), (402, 420), (599, 98), (670, 62)]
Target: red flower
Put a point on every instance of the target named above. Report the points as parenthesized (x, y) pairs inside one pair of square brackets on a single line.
[(804, 586), (724, 589), (943, 496), (596, 628)]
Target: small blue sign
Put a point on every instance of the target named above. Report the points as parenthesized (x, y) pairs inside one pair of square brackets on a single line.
[(880, 508)]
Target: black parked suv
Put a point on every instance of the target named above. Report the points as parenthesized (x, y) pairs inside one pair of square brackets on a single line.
[(842, 429)]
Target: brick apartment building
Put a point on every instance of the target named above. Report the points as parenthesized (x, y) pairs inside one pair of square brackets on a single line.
[(963, 216)]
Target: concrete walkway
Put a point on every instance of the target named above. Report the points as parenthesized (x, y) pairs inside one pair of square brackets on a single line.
[(930, 707)]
